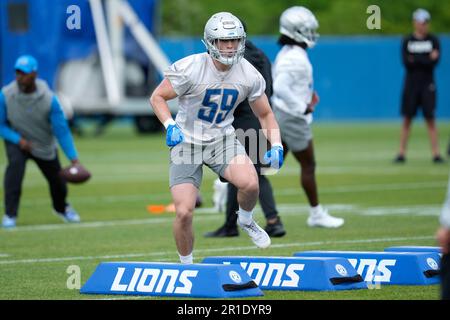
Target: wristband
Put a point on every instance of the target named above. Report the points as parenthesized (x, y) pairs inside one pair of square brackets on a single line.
[(277, 145), (168, 122)]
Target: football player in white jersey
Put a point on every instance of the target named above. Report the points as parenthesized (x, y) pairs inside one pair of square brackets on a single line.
[(294, 100), (209, 86), (443, 239)]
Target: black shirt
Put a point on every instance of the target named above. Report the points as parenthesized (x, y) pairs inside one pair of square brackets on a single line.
[(416, 57), (260, 61)]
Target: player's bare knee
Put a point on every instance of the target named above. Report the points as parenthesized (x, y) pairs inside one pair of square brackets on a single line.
[(251, 186), (185, 214)]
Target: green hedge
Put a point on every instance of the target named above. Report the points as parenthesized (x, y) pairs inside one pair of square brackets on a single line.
[(187, 17)]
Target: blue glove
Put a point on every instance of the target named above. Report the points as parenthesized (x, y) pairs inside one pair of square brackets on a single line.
[(174, 135), (274, 157)]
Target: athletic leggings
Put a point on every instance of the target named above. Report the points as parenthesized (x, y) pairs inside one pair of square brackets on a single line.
[(14, 175)]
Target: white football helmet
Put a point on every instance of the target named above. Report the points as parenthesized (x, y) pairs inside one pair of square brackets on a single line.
[(299, 24), (224, 26)]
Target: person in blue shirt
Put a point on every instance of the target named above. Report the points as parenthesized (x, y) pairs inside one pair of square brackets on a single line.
[(31, 118)]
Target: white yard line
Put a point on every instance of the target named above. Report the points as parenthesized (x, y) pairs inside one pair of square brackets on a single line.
[(202, 214), (100, 224), (419, 210), (369, 187), (202, 252), (155, 197), (365, 170)]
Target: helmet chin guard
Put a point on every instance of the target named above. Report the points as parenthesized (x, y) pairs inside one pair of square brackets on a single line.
[(224, 26)]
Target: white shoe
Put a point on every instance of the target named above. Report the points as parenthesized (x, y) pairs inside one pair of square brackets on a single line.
[(259, 237), (8, 222), (220, 195), (69, 216), (323, 219)]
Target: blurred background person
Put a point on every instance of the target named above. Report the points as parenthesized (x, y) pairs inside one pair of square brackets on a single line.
[(443, 237), (294, 101), (420, 52), (30, 119), (244, 119)]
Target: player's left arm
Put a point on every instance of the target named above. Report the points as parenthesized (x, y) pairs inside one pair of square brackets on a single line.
[(430, 59), (6, 132), (436, 53), (61, 130), (261, 109), (314, 101)]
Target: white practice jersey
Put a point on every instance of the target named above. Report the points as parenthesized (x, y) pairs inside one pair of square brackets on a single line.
[(292, 81), (208, 97)]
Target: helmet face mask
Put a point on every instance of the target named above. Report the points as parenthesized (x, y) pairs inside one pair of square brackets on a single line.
[(299, 24), (220, 28)]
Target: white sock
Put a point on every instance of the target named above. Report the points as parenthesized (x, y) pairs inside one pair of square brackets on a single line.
[(315, 211), (189, 259), (245, 217)]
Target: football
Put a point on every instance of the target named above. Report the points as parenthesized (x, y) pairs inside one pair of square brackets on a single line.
[(75, 173)]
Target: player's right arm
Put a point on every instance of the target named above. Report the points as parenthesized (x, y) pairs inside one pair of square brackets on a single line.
[(6, 132), (407, 57), (158, 100), (176, 82)]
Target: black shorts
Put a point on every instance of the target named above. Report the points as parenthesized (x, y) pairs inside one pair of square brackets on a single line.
[(415, 97)]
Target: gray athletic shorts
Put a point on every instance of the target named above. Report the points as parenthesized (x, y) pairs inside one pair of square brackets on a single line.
[(187, 160), (295, 132)]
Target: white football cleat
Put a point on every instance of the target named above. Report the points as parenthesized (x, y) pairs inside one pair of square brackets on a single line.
[(323, 219), (259, 237), (220, 195), (69, 216), (8, 222)]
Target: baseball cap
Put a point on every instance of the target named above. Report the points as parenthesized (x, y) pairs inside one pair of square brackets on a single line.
[(421, 15), (26, 64)]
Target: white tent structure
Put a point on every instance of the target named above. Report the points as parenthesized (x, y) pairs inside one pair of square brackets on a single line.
[(100, 85)]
